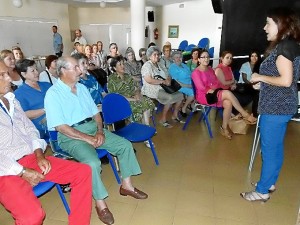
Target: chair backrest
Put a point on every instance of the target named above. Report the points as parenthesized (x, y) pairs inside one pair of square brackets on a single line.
[(183, 44), (57, 151), (115, 107), (211, 52), (204, 43), (190, 47)]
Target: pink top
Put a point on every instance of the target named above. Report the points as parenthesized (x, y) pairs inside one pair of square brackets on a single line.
[(203, 81), (228, 75)]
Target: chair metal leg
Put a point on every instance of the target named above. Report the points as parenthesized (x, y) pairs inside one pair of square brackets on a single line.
[(112, 164), (254, 145), (187, 120), (63, 198), (204, 116), (153, 152)]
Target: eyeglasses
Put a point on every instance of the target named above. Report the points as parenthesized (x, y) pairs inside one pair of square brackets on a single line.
[(204, 57)]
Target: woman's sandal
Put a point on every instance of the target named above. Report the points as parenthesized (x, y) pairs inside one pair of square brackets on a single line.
[(226, 133), (271, 189), (250, 119), (166, 124), (254, 196), (177, 120)]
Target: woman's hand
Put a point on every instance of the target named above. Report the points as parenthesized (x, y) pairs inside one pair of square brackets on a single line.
[(255, 78), (233, 86)]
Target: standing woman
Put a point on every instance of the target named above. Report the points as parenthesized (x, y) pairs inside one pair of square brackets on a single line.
[(8, 58), (278, 74)]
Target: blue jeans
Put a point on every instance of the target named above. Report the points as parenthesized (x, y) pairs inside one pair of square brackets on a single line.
[(272, 133)]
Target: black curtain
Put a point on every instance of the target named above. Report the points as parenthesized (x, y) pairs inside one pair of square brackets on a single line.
[(243, 23)]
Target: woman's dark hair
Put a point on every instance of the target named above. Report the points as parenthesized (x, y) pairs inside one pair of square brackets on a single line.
[(151, 44), (142, 50), (258, 62), (114, 61), (202, 51), (195, 50), (49, 60), (23, 64), (288, 23)]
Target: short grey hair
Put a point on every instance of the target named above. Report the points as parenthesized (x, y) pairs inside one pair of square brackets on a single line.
[(151, 50), (176, 53), (62, 62)]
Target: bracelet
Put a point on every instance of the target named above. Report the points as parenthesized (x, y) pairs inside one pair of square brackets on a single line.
[(23, 171)]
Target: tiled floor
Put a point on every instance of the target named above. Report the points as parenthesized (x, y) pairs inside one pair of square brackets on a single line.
[(197, 182)]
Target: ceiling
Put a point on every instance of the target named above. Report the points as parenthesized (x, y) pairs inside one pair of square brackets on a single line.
[(124, 3)]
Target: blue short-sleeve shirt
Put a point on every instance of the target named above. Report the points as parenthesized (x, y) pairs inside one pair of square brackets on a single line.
[(64, 107)]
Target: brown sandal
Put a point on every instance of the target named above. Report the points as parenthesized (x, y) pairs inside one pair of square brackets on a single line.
[(250, 119), (225, 133)]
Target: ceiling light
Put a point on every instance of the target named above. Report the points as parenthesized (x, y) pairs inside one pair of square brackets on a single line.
[(17, 3)]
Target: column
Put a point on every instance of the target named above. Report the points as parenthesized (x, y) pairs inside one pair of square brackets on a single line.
[(137, 11)]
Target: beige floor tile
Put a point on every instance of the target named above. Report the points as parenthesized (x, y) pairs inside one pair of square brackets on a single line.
[(275, 214), (195, 202), (152, 216), (231, 222), (234, 208), (197, 182), (185, 218)]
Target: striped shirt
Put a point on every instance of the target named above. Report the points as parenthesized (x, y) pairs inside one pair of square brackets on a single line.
[(19, 137)]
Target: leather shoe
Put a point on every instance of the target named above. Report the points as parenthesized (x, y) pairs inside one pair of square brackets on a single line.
[(105, 216), (136, 193)]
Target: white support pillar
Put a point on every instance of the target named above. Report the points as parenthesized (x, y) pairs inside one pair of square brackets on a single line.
[(137, 11)]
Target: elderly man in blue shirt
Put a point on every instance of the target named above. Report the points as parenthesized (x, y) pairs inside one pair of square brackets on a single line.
[(71, 110)]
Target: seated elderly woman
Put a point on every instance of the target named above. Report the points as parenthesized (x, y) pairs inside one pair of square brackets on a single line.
[(142, 54), (166, 60), (132, 66), (209, 92), (182, 74), (225, 76), (8, 58), (151, 86), (122, 83), (89, 80), (49, 74), (31, 95)]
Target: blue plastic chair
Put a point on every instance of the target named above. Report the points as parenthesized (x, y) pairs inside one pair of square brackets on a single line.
[(211, 52), (58, 152), (190, 47), (43, 187), (115, 107), (204, 43), (183, 44), (205, 109)]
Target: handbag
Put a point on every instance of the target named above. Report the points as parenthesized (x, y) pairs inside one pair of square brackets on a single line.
[(172, 88), (238, 125), (212, 98)]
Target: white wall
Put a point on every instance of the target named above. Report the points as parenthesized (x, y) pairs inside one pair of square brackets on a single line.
[(40, 10), (196, 20)]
